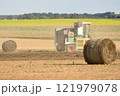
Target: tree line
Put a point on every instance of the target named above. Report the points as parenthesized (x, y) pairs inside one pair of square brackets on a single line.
[(51, 15)]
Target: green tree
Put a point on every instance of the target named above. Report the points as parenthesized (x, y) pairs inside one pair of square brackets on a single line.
[(112, 15), (43, 17), (9, 17), (30, 16)]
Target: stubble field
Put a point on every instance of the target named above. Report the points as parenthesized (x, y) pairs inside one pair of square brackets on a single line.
[(36, 57)]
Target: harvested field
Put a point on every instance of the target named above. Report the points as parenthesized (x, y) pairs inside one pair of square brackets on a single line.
[(40, 55), (53, 65), (38, 44), (37, 59), (31, 44), (58, 70), (47, 31), (33, 62)]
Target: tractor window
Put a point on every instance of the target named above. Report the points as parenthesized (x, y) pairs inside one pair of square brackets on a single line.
[(80, 31)]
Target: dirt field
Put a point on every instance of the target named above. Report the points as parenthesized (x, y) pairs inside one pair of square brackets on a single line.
[(36, 59), (58, 70), (31, 44), (38, 44)]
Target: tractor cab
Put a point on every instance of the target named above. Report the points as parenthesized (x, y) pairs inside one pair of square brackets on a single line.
[(71, 39), (82, 29)]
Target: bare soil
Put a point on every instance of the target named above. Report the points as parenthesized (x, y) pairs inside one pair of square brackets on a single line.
[(40, 55), (31, 44), (36, 59), (58, 70), (38, 44)]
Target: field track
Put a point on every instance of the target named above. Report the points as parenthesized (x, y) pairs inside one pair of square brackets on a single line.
[(42, 55)]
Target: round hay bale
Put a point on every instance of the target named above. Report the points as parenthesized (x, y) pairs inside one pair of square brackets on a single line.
[(100, 51), (9, 46)]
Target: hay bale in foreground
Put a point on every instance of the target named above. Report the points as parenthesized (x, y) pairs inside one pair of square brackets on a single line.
[(100, 51), (9, 46)]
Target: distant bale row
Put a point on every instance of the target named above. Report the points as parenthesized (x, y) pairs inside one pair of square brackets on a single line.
[(100, 51)]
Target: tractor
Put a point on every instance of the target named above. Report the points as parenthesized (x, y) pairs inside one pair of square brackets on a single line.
[(71, 39)]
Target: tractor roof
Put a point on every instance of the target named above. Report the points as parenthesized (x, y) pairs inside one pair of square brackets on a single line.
[(81, 23), (86, 23)]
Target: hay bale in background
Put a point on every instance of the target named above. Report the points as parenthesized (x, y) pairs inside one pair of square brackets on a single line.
[(9, 46), (100, 51)]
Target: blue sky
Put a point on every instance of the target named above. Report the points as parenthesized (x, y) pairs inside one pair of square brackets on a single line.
[(13, 7)]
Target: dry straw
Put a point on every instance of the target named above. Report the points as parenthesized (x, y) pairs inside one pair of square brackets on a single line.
[(9, 46), (100, 51)]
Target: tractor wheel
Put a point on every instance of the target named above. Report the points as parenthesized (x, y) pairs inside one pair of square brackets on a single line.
[(60, 47), (70, 48), (9, 46)]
